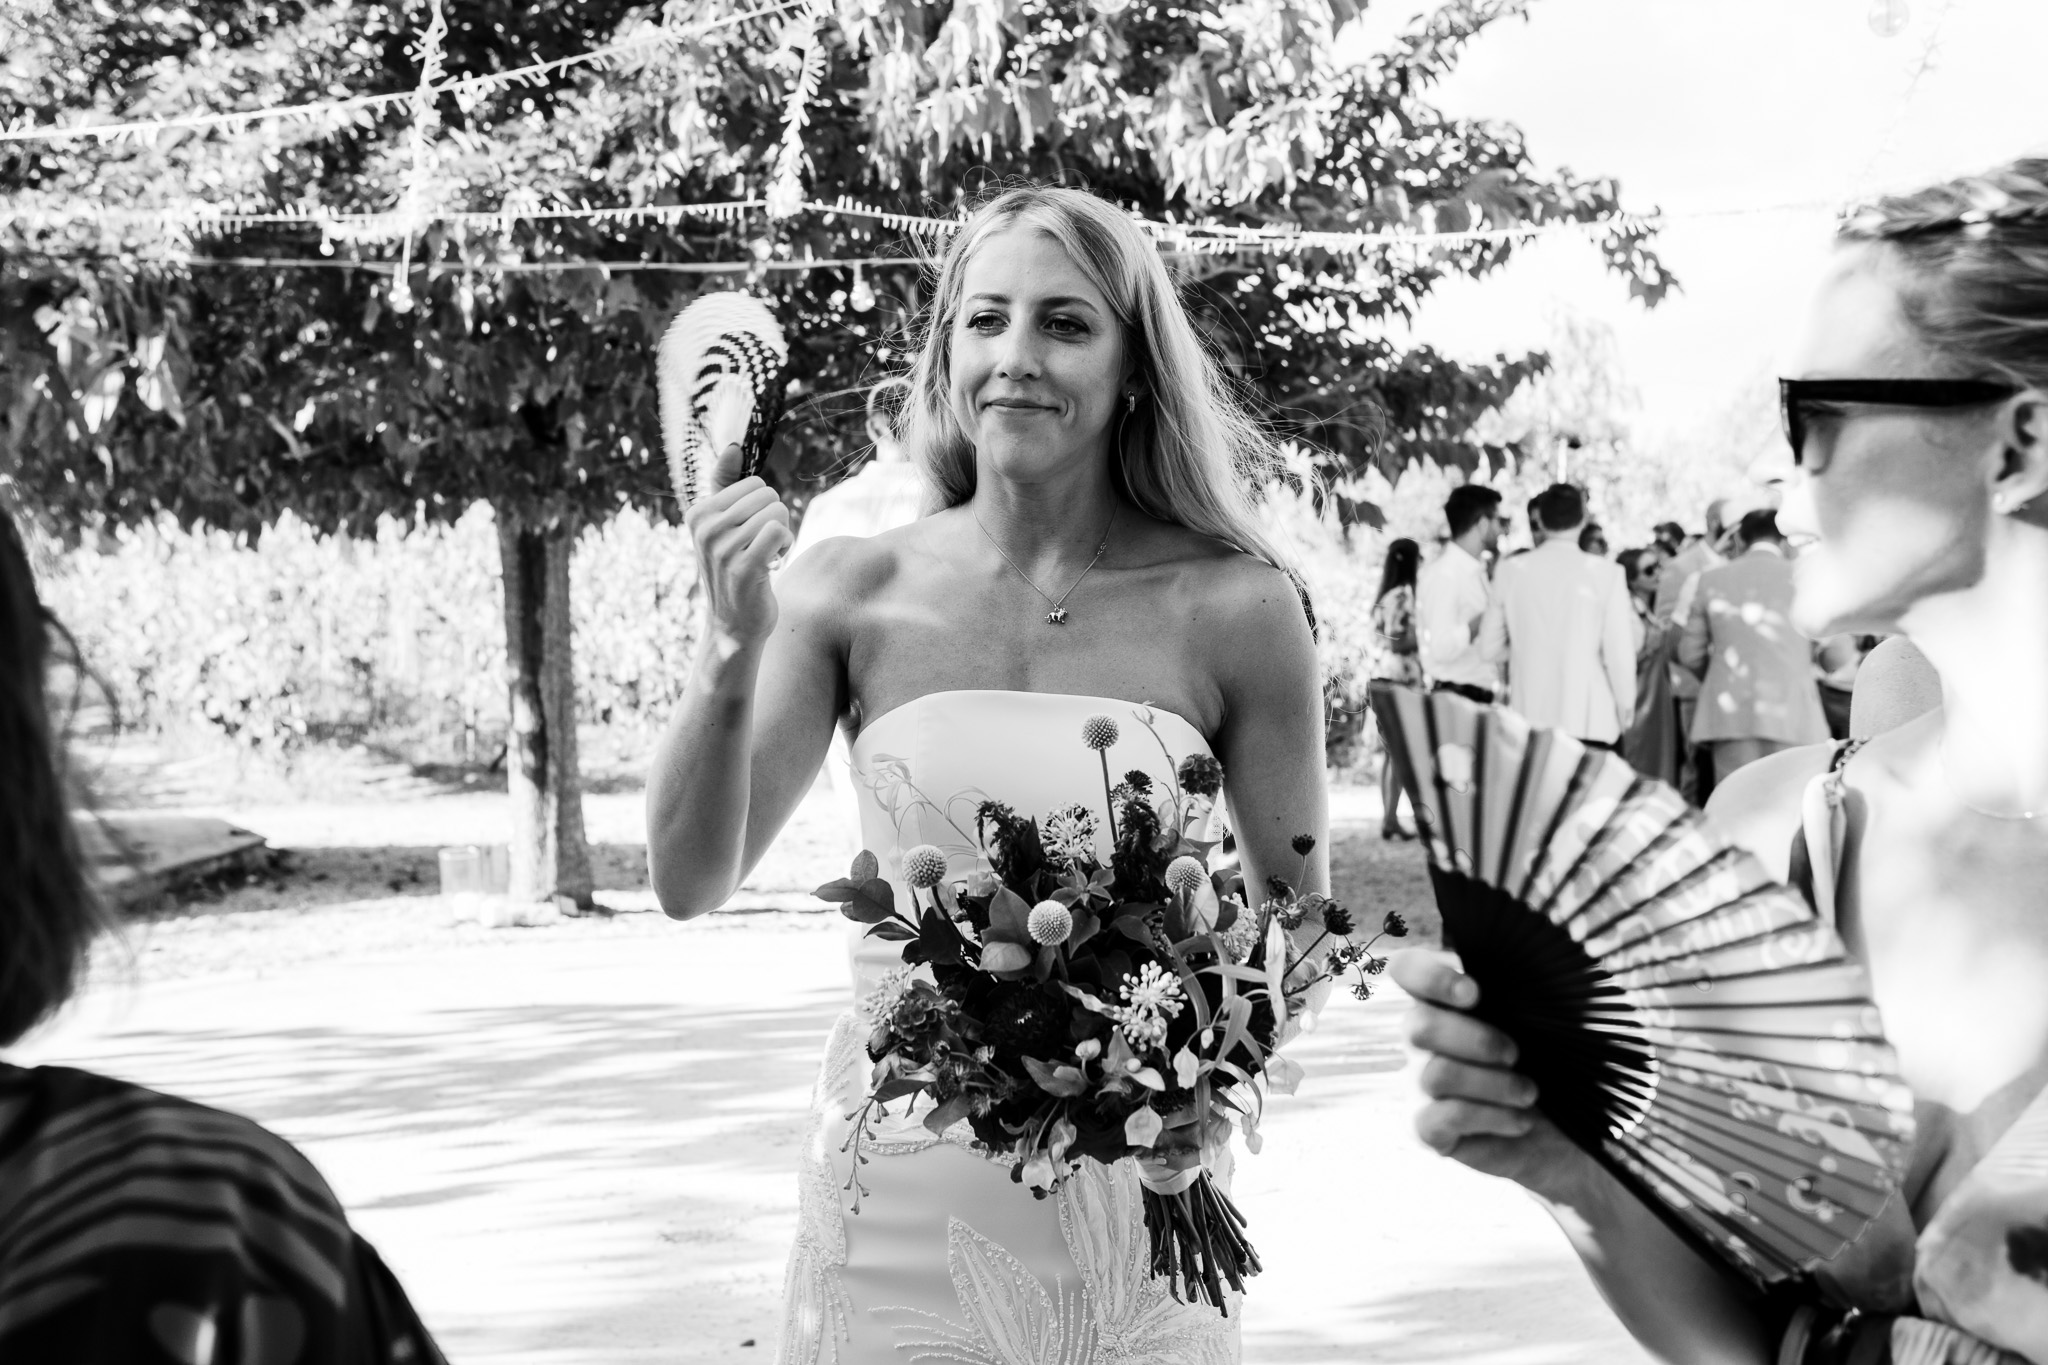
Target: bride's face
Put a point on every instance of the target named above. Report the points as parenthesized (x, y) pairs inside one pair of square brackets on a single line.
[(1890, 506), (1037, 359)]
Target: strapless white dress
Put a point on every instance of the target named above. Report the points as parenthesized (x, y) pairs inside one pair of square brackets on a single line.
[(948, 1259)]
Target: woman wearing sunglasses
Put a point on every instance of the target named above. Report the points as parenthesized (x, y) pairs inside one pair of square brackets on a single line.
[(1918, 416)]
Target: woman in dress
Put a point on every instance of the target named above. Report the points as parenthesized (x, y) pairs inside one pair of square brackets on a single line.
[(1397, 658), (1094, 555), (1651, 744), (1920, 423)]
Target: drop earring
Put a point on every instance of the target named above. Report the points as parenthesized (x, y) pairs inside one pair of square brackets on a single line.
[(1131, 401)]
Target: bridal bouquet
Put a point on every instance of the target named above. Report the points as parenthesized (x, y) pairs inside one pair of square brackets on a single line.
[(1069, 1010)]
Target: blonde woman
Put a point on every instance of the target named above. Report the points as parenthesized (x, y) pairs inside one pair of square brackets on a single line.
[(1919, 418), (1094, 555)]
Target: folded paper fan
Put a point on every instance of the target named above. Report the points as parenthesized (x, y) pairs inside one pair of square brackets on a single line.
[(1692, 1024), (720, 373)]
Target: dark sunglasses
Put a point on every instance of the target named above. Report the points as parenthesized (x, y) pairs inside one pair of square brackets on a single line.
[(1796, 397)]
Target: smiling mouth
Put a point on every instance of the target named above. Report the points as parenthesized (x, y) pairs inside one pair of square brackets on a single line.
[(1017, 406)]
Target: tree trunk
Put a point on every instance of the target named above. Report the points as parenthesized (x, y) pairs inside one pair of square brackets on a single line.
[(550, 856)]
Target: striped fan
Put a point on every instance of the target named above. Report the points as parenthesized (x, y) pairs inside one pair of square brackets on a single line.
[(720, 373), (1689, 1022)]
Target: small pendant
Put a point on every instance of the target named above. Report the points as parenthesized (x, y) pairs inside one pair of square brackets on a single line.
[(1056, 617)]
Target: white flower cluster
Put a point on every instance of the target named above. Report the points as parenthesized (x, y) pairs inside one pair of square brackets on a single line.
[(1069, 834), (1241, 937), (888, 992), (1149, 1001)]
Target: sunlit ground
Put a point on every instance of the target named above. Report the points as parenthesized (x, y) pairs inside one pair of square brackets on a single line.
[(576, 1145)]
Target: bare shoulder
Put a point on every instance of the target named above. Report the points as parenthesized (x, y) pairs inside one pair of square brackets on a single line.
[(835, 575), (1246, 598), (1759, 806)]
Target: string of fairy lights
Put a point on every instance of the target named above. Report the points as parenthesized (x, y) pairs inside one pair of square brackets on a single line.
[(800, 45)]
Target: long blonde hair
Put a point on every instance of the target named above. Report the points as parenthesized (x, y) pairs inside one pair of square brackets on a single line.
[(1188, 453)]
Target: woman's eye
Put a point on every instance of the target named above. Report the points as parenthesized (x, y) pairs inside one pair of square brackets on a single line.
[(985, 321), (1060, 325)]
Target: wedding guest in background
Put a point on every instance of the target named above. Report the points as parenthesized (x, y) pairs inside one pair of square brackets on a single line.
[(1920, 427), (1689, 561), (1593, 540), (886, 492), (1670, 539), (136, 1227), (1679, 575), (1452, 594), (1534, 516), (1653, 743), (1396, 658), (1757, 689), (1561, 618)]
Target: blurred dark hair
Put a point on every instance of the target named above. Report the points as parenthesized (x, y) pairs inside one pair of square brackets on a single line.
[(1761, 524), (1404, 557), (1591, 534), (1563, 507), (1468, 505), (48, 910), (1669, 532), (1976, 251)]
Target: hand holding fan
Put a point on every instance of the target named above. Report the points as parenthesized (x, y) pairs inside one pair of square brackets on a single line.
[(1688, 1022), (720, 380)]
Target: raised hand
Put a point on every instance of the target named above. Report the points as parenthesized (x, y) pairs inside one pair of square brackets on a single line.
[(1480, 1110), (740, 529)]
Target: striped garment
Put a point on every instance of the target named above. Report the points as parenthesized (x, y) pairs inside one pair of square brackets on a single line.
[(147, 1230)]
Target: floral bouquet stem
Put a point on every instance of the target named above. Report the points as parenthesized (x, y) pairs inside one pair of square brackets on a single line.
[(1197, 1237)]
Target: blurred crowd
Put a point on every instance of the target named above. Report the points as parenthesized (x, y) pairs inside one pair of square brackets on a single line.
[(1679, 654)]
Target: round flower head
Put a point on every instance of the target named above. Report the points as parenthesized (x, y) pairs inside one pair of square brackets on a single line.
[(1304, 844), (1338, 920), (1201, 774), (1050, 923), (1395, 925), (1184, 876), (924, 867), (1099, 732)]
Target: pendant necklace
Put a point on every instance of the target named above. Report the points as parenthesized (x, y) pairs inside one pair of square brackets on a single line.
[(1058, 615)]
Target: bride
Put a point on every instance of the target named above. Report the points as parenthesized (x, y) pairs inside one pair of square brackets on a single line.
[(1094, 555)]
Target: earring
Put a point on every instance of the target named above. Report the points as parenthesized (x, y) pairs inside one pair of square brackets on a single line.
[(1131, 401)]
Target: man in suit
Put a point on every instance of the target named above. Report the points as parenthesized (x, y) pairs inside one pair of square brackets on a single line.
[(1674, 589), (1452, 595), (1562, 619), (1757, 689)]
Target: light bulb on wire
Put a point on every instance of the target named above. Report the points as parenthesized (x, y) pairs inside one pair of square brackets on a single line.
[(1888, 18)]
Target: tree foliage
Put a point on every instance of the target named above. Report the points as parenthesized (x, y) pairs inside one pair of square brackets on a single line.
[(226, 394)]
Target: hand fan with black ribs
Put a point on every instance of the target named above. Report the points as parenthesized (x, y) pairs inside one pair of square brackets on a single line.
[(720, 373), (1689, 1022)]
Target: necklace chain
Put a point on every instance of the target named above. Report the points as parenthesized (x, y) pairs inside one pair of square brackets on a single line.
[(1057, 616), (1941, 756)]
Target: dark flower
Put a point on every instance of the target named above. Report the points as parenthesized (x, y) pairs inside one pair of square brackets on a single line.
[(1304, 844), (1138, 780), (1362, 991), (1396, 925), (1278, 886), (1337, 920), (1201, 774), (1375, 965)]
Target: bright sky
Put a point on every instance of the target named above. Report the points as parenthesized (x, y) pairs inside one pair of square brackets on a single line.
[(1711, 105)]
